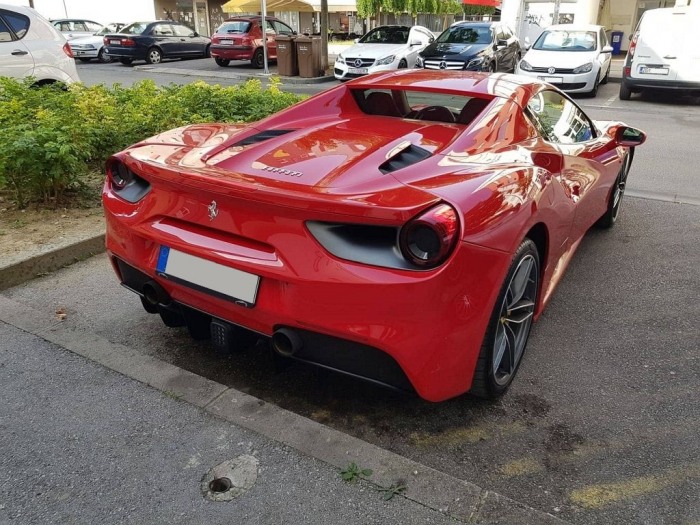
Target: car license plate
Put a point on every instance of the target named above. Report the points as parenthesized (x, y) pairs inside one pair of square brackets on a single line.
[(653, 70), (207, 276), (552, 80), (226, 42), (78, 53), (115, 42), (358, 70)]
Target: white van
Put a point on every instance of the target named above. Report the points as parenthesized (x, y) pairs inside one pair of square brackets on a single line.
[(663, 53), (31, 47)]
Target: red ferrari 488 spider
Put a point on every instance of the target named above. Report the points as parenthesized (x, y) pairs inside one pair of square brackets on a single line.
[(405, 228)]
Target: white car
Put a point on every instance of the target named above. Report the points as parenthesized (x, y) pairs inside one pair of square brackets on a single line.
[(574, 58), (31, 47), (76, 28), (381, 49), (89, 47)]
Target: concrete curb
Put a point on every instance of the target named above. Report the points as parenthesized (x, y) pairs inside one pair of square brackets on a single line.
[(457, 498), (229, 76), (17, 273)]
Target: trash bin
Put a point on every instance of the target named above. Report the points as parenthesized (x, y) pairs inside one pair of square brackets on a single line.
[(309, 56), (616, 41), (287, 65)]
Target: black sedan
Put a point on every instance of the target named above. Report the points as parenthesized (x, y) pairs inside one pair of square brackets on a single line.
[(154, 41)]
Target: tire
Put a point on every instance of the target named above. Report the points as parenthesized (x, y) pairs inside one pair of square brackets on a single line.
[(606, 77), (221, 61), (515, 62), (258, 59), (625, 92), (126, 61), (492, 67), (593, 92), (616, 193), (103, 58), (154, 56), (509, 327), (403, 64), (207, 52), (82, 59)]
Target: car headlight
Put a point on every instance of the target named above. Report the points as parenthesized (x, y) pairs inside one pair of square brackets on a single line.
[(585, 68), (525, 66), (419, 62), (339, 59), (475, 62), (386, 60)]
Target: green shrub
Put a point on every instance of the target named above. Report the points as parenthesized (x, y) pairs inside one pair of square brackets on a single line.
[(51, 136)]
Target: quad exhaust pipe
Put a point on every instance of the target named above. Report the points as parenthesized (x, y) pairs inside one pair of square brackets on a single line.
[(286, 342)]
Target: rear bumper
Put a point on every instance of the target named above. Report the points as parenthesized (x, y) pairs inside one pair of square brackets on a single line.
[(357, 317), (134, 53), (232, 52), (644, 83)]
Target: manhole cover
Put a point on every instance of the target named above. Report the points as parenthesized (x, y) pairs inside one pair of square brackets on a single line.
[(230, 479)]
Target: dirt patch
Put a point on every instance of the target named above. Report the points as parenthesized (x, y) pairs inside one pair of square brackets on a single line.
[(25, 233)]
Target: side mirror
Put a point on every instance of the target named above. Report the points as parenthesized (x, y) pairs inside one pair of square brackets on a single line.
[(416, 42), (628, 136), (526, 43), (194, 34), (607, 49), (502, 43)]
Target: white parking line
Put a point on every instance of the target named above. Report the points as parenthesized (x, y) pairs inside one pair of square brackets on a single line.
[(609, 102)]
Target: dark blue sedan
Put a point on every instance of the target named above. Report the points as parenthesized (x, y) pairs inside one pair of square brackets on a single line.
[(154, 41)]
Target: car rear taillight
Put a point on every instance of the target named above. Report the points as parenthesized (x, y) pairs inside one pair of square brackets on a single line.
[(128, 42), (428, 239), (245, 41), (124, 182), (633, 45), (67, 50)]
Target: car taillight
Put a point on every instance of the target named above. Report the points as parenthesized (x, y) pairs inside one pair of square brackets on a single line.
[(67, 50), (125, 183), (246, 42), (119, 174), (633, 45), (128, 42), (428, 239)]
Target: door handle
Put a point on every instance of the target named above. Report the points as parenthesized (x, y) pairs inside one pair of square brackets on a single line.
[(670, 57), (182, 40), (20, 52)]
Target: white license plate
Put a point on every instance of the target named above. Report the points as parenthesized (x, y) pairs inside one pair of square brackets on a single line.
[(207, 276), (358, 70), (78, 53), (226, 42), (552, 80), (115, 42), (653, 70)]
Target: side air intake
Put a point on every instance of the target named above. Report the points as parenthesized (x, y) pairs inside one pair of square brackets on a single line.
[(403, 158), (262, 136)]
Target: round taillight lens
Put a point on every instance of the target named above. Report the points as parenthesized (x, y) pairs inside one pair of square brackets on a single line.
[(428, 239), (120, 174)]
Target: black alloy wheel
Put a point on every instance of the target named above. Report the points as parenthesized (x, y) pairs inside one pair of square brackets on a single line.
[(618, 191), (509, 327), (103, 58), (258, 59), (126, 61), (403, 64)]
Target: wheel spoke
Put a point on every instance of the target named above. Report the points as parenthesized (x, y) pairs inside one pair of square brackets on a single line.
[(520, 280), (521, 312), (500, 344)]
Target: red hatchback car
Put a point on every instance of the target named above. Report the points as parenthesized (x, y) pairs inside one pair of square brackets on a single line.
[(406, 228), (240, 38)]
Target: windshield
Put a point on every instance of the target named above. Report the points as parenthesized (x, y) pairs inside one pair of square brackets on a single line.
[(466, 35), (566, 41), (237, 26), (386, 35), (135, 29)]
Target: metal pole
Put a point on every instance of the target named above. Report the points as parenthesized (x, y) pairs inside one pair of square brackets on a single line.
[(263, 8), (555, 15), (64, 8), (324, 34), (31, 4)]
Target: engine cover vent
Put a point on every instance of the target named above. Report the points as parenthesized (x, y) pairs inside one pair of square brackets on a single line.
[(262, 136), (407, 156)]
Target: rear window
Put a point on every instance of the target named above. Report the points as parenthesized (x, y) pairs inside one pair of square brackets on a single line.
[(237, 26), (18, 23), (136, 28), (420, 105)]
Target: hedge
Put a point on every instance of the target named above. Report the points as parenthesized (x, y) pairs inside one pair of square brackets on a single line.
[(52, 136)]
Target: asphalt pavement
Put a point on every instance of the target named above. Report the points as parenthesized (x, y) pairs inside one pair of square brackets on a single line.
[(108, 416)]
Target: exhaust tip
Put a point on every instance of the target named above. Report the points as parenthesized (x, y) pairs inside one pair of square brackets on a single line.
[(286, 342), (155, 294)]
